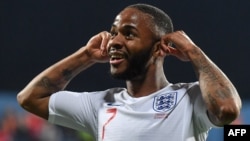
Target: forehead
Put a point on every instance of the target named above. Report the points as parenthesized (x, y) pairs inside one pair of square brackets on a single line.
[(132, 17)]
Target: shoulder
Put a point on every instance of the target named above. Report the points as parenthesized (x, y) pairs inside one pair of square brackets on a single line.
[(65, 94), (102, 95), (187, 86), (65, 99), (108, 94), (192, 89)]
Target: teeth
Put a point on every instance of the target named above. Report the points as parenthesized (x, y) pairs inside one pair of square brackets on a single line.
[(116, 56)]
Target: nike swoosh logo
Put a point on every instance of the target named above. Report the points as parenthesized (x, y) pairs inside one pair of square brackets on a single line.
[(115, 104)]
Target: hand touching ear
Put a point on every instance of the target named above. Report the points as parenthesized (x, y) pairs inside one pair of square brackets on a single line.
[(183, 45), (97, 47)]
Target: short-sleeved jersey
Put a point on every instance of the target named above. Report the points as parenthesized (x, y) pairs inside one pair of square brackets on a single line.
[(174, 113)]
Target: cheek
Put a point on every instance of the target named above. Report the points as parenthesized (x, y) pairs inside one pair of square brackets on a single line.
[(140, 59), (139, 51)]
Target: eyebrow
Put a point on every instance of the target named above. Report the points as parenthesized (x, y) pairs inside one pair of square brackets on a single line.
[(127, 26)]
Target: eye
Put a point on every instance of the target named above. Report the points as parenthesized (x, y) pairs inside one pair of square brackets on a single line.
[(129, 35), (113, 34)]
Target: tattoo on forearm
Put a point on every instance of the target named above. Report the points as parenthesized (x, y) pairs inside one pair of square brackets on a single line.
[(46, 83), (208, 70), (223, 93), (67, 74), (55, 85), (211, 77)]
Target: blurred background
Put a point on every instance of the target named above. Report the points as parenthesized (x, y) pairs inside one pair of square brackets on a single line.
[(35, 34)]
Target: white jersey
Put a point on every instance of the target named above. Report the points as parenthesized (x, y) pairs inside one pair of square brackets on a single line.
[(174, 113)]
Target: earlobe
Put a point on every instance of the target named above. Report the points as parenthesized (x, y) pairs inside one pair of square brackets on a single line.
[(158, 50)]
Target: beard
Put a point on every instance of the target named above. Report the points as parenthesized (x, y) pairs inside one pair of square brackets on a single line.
[(137, 67)]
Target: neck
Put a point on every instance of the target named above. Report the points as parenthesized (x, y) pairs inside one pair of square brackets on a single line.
[(153, 81)]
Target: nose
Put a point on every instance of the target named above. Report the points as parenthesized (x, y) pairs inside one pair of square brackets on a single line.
[(116, 42)]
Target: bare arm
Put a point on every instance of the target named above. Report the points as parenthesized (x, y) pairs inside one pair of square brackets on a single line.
[(220, 95), (35, 96)]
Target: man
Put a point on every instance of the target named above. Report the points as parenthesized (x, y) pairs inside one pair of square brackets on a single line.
[(149, 108)]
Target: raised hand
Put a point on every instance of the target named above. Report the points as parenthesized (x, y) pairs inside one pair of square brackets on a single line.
[(96, 47), (183, 45)]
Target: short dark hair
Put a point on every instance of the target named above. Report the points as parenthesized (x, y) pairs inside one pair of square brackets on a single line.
[(159, 17)]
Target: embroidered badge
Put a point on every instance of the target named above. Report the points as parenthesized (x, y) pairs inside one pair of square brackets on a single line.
[(165, 102)]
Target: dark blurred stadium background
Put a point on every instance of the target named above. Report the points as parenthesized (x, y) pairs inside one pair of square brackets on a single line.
[(36, 33)]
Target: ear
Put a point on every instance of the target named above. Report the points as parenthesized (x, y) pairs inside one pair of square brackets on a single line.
[(158, 51)]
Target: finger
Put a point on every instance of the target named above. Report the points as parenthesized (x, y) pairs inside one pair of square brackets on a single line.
[(167, 48), (105, 39), (174, 52), (165, 41)]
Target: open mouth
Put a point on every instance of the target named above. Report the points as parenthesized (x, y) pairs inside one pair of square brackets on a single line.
[(116, 58)]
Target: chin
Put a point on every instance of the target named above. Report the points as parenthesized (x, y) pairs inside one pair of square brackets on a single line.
[(123, 73), (127, 75), (116, 71), (118, 75)]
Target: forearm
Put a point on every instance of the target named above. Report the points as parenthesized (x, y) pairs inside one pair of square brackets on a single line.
[(53, 79), (60, 74), (220, 95)]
